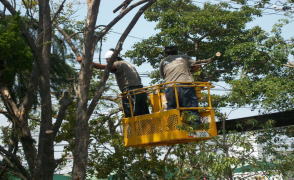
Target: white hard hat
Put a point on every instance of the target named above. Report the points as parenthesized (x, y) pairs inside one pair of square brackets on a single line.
[(108, 54)]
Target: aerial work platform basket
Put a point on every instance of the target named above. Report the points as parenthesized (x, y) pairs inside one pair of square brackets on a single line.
[(168, 127)]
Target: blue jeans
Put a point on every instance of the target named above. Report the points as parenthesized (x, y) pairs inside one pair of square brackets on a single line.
[(187, 98)]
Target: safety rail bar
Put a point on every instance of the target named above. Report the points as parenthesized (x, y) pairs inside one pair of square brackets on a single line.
[(158, 89)]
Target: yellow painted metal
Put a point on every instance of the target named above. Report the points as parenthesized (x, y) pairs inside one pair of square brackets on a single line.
[(166, 127)]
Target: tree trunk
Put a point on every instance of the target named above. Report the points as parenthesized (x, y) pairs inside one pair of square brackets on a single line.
[(45, 164), (82, 128)]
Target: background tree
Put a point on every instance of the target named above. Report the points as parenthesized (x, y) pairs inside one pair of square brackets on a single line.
[(41, 160), (16, 68), (252, 64)]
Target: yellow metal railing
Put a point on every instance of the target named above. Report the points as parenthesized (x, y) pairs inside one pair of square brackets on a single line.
[(156, 95), (162, 126)]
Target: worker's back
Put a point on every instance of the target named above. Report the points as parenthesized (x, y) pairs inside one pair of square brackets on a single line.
[(126, 75), (176, 68)]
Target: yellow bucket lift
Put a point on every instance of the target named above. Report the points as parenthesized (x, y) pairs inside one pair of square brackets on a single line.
[(167, 127)]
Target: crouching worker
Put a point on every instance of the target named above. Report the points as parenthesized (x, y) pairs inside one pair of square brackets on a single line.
[(127, 79)]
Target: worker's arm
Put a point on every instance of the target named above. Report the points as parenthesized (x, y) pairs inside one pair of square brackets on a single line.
[(99, 66), (195, 67), (197, 64), (96, 65)]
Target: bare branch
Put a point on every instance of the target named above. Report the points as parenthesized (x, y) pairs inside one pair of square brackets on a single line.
[(101, 86), (65, 101), (10, 8), (123, 5), (68, 39), (116, 19), (58, 11)]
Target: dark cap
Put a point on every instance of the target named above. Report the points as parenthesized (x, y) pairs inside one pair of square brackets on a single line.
[(171, 50)]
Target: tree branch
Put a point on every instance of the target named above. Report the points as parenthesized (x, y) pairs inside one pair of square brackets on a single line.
[(27, 102), (9, 103), (123, 5), (209, 60), (101, 86), (65, 101), (14, 161), (116, 19), (109, 98), (58, 11), (69, 41)]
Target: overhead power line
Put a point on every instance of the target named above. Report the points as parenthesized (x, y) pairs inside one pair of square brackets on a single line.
[(135, 37)]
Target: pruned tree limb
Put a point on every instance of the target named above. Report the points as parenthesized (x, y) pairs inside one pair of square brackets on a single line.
[(20, 120), (80, 152), (9, 103)]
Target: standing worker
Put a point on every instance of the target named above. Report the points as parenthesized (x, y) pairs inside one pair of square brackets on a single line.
[(127, 79), (177, 68)]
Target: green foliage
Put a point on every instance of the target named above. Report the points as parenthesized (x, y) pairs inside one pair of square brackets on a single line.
[(264, 81), (198, 31), (15, 55)]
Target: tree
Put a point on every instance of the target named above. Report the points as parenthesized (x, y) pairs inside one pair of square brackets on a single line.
[(252, 63), (17, 95), (41, 162)]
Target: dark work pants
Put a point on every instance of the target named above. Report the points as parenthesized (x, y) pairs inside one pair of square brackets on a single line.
[(139, 103), (187, 98)]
